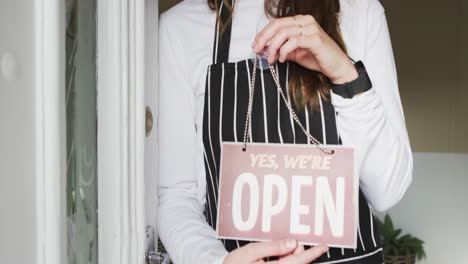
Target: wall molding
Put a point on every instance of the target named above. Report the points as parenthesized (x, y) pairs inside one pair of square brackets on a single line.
[(121, 216)]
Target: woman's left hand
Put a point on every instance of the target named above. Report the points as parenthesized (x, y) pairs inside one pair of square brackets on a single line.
[(301, 39)]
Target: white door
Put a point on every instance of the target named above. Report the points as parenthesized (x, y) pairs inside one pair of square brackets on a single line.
[(77, 176), (127, 108), (151, 108), (32, 129)]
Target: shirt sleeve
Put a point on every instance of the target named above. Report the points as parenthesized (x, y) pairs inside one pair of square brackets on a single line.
[(181, 222), (373, 122)]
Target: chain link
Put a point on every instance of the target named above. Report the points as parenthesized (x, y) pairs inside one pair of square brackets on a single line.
[(248, 117), (249, 108)]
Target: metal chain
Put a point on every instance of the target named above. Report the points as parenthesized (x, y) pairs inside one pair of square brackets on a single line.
[(249, 109), (311, 138)]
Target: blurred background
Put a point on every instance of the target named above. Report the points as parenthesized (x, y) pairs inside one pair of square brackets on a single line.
[(430, 39)]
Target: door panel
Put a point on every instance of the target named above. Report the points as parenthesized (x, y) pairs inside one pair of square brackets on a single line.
[(32, 132), (17, 181), (151, 97)]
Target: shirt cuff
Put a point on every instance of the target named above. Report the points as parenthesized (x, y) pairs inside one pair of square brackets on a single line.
[(358, 102)]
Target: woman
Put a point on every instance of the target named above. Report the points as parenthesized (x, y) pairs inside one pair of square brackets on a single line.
[(205, 66)]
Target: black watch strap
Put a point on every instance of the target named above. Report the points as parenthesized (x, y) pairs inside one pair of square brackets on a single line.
[(359, 85)]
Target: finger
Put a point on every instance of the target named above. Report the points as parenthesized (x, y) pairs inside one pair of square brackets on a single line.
[(305, 19), (311, 254), (263, 38), (287, 49), (256, 251), (305, 257), (311, 43), (285, 34), (267, 33), (299, 250), (279, 39)]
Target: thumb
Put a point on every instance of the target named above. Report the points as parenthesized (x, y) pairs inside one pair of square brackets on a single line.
[(262, 250)]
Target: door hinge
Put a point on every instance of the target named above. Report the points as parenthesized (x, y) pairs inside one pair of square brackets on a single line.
[(153, 256)]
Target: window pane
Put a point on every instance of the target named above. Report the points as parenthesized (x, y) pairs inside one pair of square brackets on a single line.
[(81, 131)]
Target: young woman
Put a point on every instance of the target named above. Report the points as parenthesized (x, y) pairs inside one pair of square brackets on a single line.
[(206, 48)]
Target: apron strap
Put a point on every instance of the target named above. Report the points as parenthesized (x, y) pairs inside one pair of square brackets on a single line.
[(222, 41)]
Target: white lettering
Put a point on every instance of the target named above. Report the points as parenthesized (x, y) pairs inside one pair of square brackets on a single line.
[(249, 180), (298, 209), (335, 210), (269, 209)]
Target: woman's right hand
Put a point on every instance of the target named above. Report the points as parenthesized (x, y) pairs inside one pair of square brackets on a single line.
[(288, 251)]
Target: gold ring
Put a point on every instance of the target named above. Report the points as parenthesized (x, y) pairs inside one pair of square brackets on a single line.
[(301, 29)]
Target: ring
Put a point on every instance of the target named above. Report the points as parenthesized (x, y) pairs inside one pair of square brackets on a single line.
[(301, 29)]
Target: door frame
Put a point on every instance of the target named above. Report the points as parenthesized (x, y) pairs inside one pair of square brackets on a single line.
[(151, 159), (50, 127), (121, 112), (121, 135)]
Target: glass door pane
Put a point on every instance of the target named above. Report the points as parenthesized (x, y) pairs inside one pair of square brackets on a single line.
[(81, 131)]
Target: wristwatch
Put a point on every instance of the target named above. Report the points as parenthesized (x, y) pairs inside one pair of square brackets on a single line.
[(350, 89)]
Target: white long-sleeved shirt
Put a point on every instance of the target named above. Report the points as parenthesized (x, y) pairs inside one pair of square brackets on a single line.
[(372, 122)]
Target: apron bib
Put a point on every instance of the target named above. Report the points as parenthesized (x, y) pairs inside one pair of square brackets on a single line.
[(225, 107)]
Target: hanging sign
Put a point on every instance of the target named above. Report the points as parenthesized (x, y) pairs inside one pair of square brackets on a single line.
[(277, 191)]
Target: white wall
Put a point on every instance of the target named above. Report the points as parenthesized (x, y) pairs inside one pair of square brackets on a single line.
[(17, 132), (429, 40), (435, 208)]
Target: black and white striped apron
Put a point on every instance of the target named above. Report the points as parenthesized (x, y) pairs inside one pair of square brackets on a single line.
[(225, 107)]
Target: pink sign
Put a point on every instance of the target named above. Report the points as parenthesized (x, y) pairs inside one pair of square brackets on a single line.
[(276, 191)]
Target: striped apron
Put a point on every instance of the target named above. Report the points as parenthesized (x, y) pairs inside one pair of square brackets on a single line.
[(225, 107)]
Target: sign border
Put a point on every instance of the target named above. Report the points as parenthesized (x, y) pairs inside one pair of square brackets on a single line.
[(355, 182)]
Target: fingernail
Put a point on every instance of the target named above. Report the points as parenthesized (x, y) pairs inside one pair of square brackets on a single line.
[(255, 47), (291, 243), (253, 44)]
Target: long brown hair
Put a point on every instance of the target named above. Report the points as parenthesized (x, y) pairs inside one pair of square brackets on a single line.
[(303, 82)]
